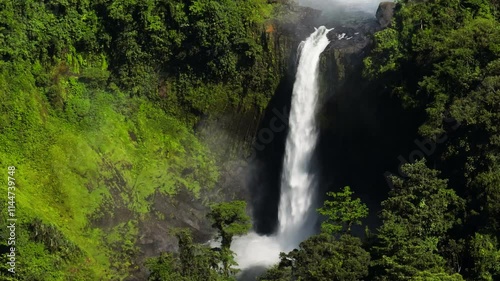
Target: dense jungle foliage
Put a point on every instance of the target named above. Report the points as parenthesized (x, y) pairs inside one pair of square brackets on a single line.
[(441, 221), (442, 59), (99, 104), (100, 100)]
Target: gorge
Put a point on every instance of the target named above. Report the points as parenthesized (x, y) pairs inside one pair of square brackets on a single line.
[(298, 200), (296, 206), (303, 139)]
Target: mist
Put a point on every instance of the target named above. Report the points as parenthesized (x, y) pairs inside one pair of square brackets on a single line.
[(342, 6)]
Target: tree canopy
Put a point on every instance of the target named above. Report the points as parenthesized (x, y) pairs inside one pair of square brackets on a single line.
[(342, 212)]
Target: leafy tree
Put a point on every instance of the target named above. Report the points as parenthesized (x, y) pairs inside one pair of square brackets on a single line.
[(102, 82), (333, 255), (441, 58), (430, 276), (479, 114), (422, 201), (196, 261), (164, 268), (230, 219), (277, 273), (342, 212), (486, 257), (416, 216), (323, 258), (193, 262), (430, 55)]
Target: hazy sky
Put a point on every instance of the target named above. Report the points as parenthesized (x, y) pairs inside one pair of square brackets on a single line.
[(365, 5)]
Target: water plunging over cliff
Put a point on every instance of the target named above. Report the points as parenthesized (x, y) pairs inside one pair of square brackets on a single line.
[(297, 183), (296, 210)]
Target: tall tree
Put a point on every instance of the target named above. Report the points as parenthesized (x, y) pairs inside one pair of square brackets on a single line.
[(192, 262), (323, 258), (230, 219), (332, 255), (342, 212), (416, 216), (485, 254)]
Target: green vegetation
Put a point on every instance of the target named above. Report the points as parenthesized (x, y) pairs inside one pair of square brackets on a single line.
[(80, 164), (100, 105), (194, 262), (441, 59), (229, 219), (334, 254), (199, 262), (416, 217), (342, 212), (99, 102)]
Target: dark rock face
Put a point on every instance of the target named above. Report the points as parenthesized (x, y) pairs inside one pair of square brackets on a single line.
[(362, 128), (351, 40), (350, 114), (385, 13)]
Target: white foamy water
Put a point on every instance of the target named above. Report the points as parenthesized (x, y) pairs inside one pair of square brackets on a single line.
[(296, 210), (255, 250), (297, 183)]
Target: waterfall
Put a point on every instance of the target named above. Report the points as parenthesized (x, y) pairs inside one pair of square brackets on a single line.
[(297, 183)]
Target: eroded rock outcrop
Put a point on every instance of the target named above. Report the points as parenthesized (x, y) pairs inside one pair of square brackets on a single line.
[(385, 13)]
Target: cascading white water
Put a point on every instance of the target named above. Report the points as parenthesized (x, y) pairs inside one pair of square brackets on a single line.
[(297, 183)]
